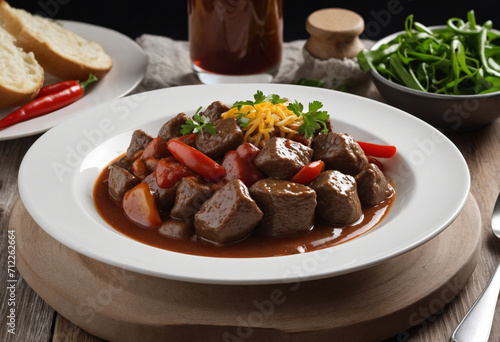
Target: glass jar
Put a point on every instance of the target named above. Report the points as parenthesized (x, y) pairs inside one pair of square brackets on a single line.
[(235, 40)]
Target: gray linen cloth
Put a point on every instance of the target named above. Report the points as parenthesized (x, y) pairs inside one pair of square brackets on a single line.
[(169, 65)]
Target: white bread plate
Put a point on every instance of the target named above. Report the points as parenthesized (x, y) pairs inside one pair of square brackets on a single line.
[(129, 67)]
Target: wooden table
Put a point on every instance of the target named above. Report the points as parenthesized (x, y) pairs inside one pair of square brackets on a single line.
[(36, 321)]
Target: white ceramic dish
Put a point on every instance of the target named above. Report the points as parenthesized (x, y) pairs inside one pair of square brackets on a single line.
[(129, 67), (58, 173)]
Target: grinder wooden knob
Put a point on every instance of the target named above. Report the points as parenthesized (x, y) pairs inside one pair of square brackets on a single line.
[(334, 33)]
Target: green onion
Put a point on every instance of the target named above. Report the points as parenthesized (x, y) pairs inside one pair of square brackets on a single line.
[(461, 59)]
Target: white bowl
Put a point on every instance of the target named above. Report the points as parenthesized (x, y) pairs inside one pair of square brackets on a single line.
[(58, 173), (450, 113)]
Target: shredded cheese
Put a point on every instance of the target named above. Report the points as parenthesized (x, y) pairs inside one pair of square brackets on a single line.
[(266, 121)]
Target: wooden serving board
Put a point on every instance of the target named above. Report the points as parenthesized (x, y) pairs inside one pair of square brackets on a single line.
[(367, 305)]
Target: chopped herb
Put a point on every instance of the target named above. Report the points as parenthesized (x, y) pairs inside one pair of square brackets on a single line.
[(259, 97), (242, 120), (198, 124), (275, 99), (313, 118)]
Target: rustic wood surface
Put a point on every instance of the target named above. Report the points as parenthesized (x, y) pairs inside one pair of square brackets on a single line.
[(36, 321)]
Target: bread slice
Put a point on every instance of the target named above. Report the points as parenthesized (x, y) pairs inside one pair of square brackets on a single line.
[(21, 77), (59, 51)]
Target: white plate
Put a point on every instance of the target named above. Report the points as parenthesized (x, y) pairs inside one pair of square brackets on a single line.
[(58, 173), (129, 67)]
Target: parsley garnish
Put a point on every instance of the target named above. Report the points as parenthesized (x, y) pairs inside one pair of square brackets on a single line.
[(313, 118), (275, 99), (197, 124), (259, 97)]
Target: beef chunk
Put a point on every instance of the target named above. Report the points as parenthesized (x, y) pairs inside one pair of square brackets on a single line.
[(228, 137), (140, 140), (177, 230), (189, 197), (123, 162), (215, 110), (229, 215), (288, 207), (172, 128), (120, 181), (164, 198), (372, 185), (282, 158), (302, 139), (338, 201), (340, 152)]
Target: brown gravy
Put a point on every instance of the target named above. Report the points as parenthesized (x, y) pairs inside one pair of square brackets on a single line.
[(255, 245)]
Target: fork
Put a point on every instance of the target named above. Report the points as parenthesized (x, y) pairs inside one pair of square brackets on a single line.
[(476, 325)]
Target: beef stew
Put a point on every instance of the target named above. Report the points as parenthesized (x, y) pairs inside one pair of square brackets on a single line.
[(205, 210)]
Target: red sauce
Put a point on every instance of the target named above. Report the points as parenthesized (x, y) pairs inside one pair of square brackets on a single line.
[(235, 37), (255, 245)]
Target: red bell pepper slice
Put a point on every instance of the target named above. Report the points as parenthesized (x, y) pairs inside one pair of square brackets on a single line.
[(239, 168), (196, 161), (188, 139), (169, 172), (248, 151), (140, 206), (375, 150), (309, 172), (156, 149)]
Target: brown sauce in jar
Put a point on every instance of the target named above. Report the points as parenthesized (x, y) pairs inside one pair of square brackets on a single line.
[(235, 37), (253, 246)]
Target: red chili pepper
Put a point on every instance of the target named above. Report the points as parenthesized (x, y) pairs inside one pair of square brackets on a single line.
[(309, 172), (55, 88), (375, 150), (47, 104), (196, 161)]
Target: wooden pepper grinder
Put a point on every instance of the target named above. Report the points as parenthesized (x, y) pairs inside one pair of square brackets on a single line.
[(334, 33)]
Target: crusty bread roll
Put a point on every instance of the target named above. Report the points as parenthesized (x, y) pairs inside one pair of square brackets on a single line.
[(21, 77), (60, 52)]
